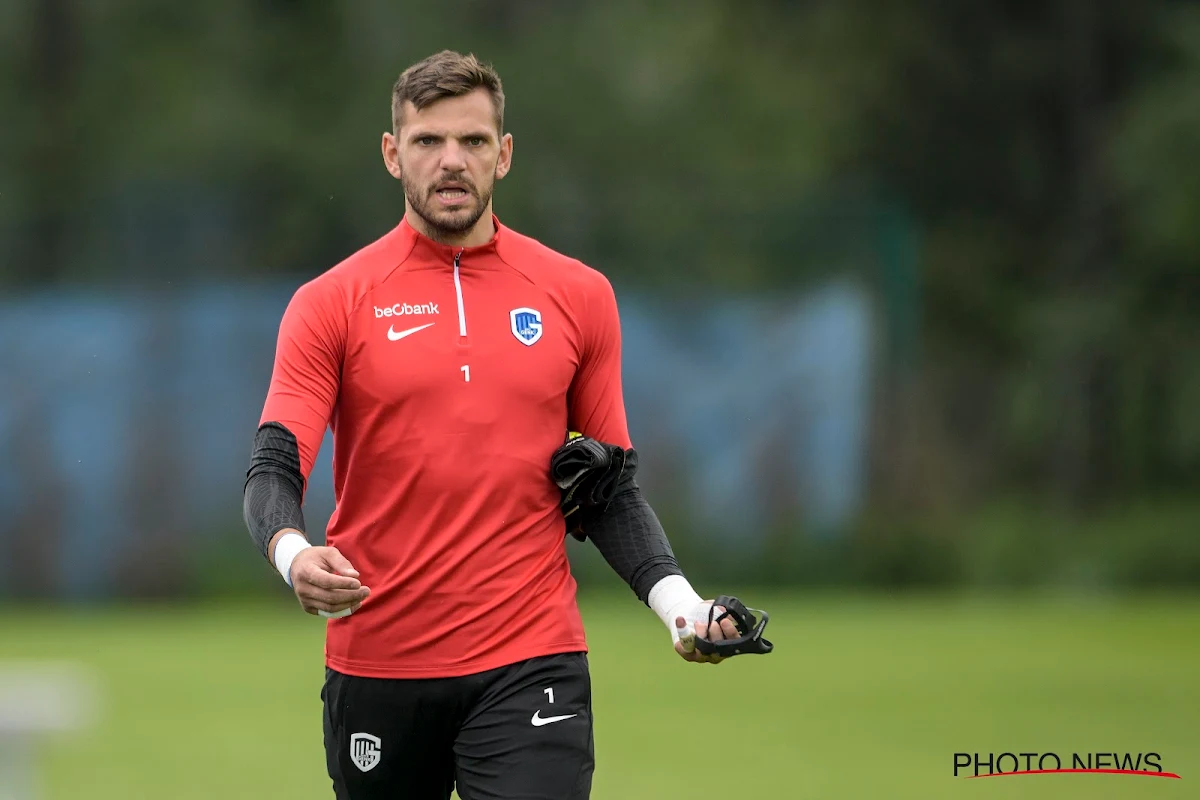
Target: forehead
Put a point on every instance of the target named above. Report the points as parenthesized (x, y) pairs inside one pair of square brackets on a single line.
[(468, 112)]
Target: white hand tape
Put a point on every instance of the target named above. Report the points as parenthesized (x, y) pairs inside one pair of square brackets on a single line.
[(345, 612), (687, 637), (286, 550)]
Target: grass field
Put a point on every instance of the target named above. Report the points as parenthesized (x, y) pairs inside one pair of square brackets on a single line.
[(863, 698)]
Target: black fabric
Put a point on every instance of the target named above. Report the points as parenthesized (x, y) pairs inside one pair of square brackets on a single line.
[(481, 734), (578, 456), (588, 472), (273, 494), (630, 536)]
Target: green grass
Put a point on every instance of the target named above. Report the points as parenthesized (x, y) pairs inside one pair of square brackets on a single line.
[(864, 698)]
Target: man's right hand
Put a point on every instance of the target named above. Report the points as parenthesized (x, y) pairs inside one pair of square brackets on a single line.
[(325, 581)]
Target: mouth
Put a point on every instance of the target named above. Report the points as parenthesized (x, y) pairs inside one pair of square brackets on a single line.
[(452, 193)]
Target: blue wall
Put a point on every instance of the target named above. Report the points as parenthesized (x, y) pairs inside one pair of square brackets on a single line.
[(126, 421)]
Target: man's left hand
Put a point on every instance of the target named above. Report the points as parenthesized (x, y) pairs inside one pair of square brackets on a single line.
[(685, 645)]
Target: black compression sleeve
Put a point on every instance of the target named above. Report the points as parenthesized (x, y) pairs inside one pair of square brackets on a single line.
[(630, 537), (274, 489)]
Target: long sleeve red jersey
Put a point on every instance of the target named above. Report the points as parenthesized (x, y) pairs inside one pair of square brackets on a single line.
[(449, 376)]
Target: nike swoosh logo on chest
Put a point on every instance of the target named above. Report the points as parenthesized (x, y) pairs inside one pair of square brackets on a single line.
[(395, 336)]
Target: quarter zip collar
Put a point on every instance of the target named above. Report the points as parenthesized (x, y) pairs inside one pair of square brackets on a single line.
[(428, 253)]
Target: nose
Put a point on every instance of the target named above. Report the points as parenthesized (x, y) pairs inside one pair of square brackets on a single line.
[(453, 157)]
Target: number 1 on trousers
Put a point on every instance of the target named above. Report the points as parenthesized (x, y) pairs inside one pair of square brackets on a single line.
[(466, 371)]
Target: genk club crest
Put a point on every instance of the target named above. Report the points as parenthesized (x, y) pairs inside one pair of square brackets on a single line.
[(526, 324), (365, 750)]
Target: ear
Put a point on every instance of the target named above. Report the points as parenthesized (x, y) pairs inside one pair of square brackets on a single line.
[(391, 155), (504, 163)]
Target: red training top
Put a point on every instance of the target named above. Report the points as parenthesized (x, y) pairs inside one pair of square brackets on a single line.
[(449, 376)]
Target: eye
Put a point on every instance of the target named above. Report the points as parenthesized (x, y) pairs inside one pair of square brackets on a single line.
[(426, 141), (475, 141)]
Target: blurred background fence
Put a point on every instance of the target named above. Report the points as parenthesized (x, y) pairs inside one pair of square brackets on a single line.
[(910, 295)]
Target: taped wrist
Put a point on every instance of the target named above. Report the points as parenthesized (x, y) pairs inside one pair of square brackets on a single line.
[(274, 490), (632, 540), (674, 597)]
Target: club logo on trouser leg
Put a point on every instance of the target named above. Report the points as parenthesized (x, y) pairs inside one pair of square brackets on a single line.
[(364, 751)]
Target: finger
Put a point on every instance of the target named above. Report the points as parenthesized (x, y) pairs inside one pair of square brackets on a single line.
[(328, 609), (687, 639), (313, 574), (696, 657), (344, 604), (334, 600), (729, 628), (711, 632), (340, 564), (717, 630), (340, 598), (307, 588)]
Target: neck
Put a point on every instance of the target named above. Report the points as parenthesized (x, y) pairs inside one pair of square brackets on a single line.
[(479, 233)]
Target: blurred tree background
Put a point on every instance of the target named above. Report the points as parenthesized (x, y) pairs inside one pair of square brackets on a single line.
[(1020, 176)]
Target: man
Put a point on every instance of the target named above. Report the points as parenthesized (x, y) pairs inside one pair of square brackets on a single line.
[(450, 357)]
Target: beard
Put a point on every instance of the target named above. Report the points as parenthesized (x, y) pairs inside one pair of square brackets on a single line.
[(445, 224)]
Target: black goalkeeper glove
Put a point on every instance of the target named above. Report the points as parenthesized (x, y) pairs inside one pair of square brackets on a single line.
[(749, 627), (588, 473)]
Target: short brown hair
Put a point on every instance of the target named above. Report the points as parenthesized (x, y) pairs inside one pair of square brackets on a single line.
[(445, 74)]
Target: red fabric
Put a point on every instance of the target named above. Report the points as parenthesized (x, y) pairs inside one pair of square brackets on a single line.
[(444, 501)]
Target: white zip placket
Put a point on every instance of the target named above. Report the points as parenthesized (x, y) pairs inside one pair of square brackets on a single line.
[(462, 316)]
